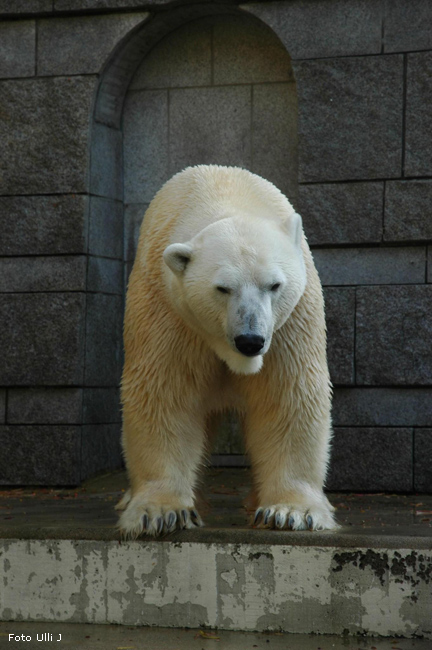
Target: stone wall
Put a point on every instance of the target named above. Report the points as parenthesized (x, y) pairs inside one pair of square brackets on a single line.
[(79, 80)]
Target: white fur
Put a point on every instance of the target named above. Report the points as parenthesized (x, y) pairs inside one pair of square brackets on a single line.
[(212, 227)]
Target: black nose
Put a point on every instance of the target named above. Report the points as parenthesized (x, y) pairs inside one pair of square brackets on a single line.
[(249, 344)]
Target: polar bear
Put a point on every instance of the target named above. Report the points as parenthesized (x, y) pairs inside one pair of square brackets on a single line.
[(224, 310)]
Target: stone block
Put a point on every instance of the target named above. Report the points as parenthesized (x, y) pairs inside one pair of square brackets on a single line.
[(40, 455), (106, 162), (103, 340), (85, 5), (422, 460), (101, 449), (145, 144), (44, 406), (106, 228), (228, 435), (104, 275), (133, 217), (342, 213), (246, 51), (393, 334), (199, 134), (183, 58), (43, 225), (229, 460), (418, 132), (44, 129), (82, 44), (407, 25), (51, 273), (17, 48), (315, 29), (429, 264), (382, 407), (340, 318), (101, 406), (341, 266), (17, 7), (2, 406), (350, 118), (371, 460), (407, 211), (42, 338), (128, 266), (274, 136)]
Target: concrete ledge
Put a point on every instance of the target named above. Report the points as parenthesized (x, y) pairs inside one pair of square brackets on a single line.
[(231, 586), (372, 576)]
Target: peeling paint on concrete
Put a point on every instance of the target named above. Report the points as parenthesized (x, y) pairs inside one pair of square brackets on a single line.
[(234, 586), (378, 562)]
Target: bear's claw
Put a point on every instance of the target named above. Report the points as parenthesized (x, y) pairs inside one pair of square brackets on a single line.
[(285, 517), (139, 520), (258, 516), (280, 519), (170, 519)]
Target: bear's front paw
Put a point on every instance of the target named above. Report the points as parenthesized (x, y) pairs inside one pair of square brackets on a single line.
[(141, 518), (285, 516)]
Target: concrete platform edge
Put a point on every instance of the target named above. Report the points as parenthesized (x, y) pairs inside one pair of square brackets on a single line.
[(231, 586)]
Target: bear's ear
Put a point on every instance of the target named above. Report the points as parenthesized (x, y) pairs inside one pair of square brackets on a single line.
[(177, 257), (294, 227)]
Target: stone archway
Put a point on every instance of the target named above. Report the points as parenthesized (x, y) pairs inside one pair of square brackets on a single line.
[(200, 84)]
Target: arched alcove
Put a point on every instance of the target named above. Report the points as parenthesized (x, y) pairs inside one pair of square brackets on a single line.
[(195, 85)]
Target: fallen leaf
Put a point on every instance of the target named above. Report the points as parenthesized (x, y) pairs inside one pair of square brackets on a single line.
[(206, 635)]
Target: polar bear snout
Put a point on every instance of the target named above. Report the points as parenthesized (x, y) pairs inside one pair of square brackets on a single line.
[(249, 344)]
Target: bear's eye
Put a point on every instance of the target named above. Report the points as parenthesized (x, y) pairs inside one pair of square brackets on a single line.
[(222, 289), (276, 286)]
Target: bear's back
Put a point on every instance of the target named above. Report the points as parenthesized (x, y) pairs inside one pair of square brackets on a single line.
[(198, 196)]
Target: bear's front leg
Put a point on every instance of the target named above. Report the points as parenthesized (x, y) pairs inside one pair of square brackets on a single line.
[(289, 453), (162, 456)]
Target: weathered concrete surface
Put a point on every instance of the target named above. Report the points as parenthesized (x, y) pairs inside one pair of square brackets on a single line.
[(62, 560), (87, 513), (110, 637), (229, 586)]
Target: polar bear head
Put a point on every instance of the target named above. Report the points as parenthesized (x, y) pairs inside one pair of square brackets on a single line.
[(236, 282)]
